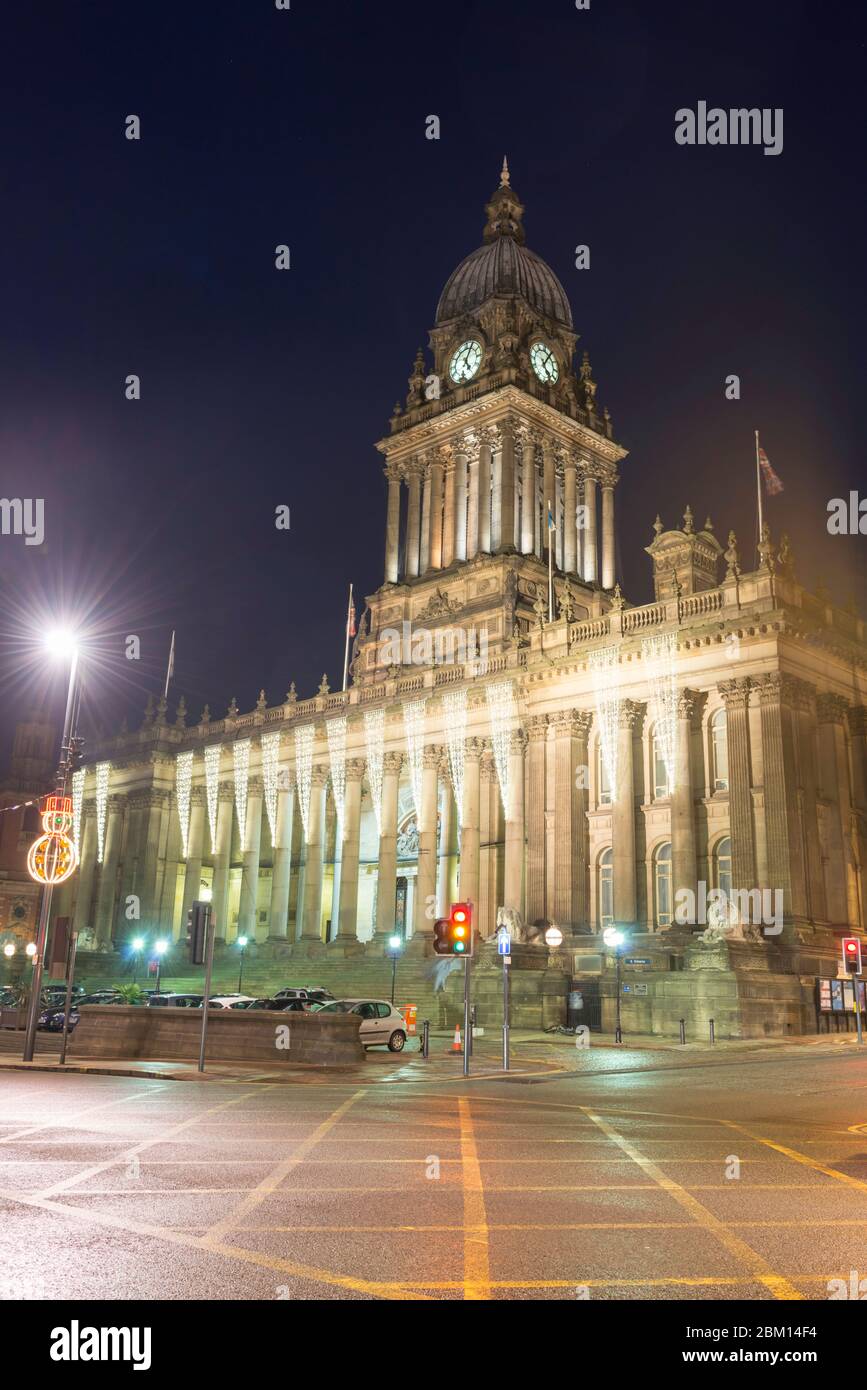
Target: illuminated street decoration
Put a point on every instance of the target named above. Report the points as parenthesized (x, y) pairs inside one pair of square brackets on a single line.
[(54, 856), (102, 774), (336, 732), (183, 787), (414, 727), (212, 788), (374, 734), (270, 745), (659, 653), (241, 765), (503, 714), (604, 665), (455, 719), (304, 770), (77, 803)]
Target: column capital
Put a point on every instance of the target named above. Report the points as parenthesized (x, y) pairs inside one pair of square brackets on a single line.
[(474, 748), (318, 775), (255, 786), (572, 723), (117, 800), (197, 797), (88, 803), (393, 472), (517, 741), (631, 713), (432, 755), (799, 693), (392, 762), (487, 767), (537, 727), (688, 704), (857, 715), (413, 468), (831, 709), (736, 693), (355, 769), (147, 799)]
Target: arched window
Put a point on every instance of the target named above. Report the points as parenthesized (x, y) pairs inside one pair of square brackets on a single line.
[(720, 751), (662, 886), (722, 866), (606, 889), (661, 787), (603, 781)]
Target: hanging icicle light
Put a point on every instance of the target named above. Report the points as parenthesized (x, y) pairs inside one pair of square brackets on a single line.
[(503, 714), (606, 682), (414, 727), (183, 787), (212, 789), (304, 770), (270, 745), (455, 719), (241, 764), (660, 653), (374, 737), (77, 803), (102, 772), (335, 730)]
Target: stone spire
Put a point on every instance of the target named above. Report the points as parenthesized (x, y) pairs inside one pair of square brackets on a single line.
[(505, 212)]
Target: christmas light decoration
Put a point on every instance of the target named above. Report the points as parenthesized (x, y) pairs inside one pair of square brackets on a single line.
[(503, 714), (102, 774), (659, 653), (304, 770), (212, 788), (183, 787), (77, 803), (455, 719), (270, 745), (414, 727), (336, 732), (241, 766), (54, 856), (374, 735), (606, 682)]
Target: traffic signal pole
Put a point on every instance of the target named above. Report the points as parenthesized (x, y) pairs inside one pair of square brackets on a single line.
[(467, 965)]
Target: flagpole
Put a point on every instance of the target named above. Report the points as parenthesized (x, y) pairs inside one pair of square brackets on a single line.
[(346, 646), (551, 529), (759, 493), (171, 666)]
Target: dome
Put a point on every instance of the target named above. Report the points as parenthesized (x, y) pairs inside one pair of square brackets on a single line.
[(504, 265)]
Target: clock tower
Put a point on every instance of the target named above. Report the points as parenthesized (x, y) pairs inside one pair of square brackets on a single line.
[(501, 469)]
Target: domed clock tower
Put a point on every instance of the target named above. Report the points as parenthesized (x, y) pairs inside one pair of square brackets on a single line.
[(499, 452)]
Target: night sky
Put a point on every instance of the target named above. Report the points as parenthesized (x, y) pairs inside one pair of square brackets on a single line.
[(260, 388)]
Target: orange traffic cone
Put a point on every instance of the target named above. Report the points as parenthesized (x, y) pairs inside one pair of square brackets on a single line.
[(456, 1045)]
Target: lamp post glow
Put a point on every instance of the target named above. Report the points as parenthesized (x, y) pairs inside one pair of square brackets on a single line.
[(160, 948), (137, 944), (394, 944), (242, 943), (614, 937), (9, 950)]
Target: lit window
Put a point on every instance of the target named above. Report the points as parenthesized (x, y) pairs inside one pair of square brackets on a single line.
[(603, 781), (662, 886), (720, 751), (722, 860), (606, 889), (661, 787)]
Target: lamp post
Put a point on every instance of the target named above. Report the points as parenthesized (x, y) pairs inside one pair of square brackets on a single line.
[(394, 944), (160, 947), (615, 938), (242, 946), (137, 948), (62, 644)]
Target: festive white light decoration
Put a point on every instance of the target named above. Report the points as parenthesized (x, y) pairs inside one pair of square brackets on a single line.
[(102, 771), (606, 681), (183, 786), (270, 744), (659, 653), (304, 770), (374, 735), (335, 730), (212, 788), (455, 719), (77, 803), (503, 715), (241, 765), (414, 726)]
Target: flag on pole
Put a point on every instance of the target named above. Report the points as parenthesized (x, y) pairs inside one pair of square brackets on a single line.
[(171, 666), (773, 485)]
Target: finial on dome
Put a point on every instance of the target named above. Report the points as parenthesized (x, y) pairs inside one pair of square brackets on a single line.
[(504, 173)]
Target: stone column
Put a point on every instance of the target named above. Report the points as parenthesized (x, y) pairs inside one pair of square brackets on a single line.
[(392, 525), (488, 854), (842, 881), (782, 832), (503, 528), (347, 914), (858, 752), (413, 518), (108, 877), (608, 579), (435, 547), (805, 700), (154, 804), (449, 514), (549, 493), (311, 918), (86, 867), (222, 860), (444, 862), (469, 880), (571, 728), (736, 694), (684, 863), (424, 563), (570, 514), (513, 880), (485, 448), (528, 492), (281, 873), (426, 881), (250, 851), (590, 570), (386, 886), (537, 733), (195, 854), (473, 501), (460, 522), (623, 818)]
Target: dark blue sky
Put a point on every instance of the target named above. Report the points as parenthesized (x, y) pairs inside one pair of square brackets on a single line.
[(307, 127)]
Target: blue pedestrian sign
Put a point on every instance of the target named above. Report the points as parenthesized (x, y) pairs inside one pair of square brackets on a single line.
[(504, 942)]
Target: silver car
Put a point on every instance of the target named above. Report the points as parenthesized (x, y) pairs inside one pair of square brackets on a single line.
[(381, 1024)]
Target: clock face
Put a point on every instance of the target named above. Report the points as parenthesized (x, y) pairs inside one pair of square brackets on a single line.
[(544, 363), (465, 362)]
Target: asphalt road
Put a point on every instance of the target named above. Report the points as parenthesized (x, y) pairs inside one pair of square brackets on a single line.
[(629, 1176)]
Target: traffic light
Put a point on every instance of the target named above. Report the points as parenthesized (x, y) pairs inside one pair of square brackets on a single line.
[(75, 755), (441, 937), (852, 955), (461, 929), (198, 921)]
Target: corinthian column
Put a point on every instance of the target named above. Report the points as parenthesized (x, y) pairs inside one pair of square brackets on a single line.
[(590, 530), (154, 804), (549, 492), (537, 733), (222, 859), (571, 728), (435, 545), (413, 518), (782, 831), (473, 499), (86, 867), (424, 540), (503, 507), (473, 749), (608, 536), (392, 525), (386, 886), (570, 514), (815, 880), (426, 880), (684, 864), (311, 918), (347, 915), (485, 462), (281, 873), (460, 522), (247, 914), (513, 877), (449, 514), (195, 853), (736, 695), (623, 818), (528, 492), (108, 877), (842, 883)]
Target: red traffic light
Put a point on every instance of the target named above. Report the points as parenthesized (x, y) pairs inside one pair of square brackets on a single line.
[(852, 955), (461, 929)]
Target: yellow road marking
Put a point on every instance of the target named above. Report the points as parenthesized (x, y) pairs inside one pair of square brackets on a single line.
[(477, 1273), (797, 1157), (778, 1285)]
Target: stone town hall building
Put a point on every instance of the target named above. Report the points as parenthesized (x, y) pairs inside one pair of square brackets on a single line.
[(579, 765)]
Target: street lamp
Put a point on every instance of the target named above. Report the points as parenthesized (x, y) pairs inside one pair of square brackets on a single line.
[(160, 947), (614, 937), (62, 644), (9, 950), (394, 944), (242, 944), (137, 944)]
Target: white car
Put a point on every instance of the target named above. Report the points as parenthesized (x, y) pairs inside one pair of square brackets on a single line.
[(226, 1001), (381, 1024)]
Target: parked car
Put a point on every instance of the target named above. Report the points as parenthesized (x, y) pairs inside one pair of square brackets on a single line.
[(229, 1001), (275, 1005), (101, 996), (290, 993), (380, 1021), (175, 1001), (51, 1019), (315, 992)]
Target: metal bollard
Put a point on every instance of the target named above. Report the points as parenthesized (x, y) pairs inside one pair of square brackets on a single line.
[(682, 1031), (425, 1037), (712, 1032)]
